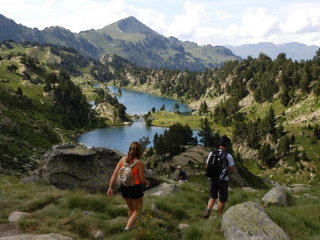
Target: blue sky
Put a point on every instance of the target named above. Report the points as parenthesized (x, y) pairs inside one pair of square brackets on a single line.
[(215, 22)]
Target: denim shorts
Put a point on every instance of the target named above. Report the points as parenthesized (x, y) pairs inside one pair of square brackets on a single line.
[(133, 192)]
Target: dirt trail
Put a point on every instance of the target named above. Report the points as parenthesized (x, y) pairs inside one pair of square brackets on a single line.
[(9, 229)]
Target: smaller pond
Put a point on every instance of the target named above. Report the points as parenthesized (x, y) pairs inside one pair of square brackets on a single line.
[(119, 138)]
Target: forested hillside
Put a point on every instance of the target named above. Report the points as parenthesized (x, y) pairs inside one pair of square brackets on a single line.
[(270, 108), (44, 91)]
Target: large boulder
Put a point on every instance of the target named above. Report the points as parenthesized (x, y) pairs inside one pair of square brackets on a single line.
[(72, 166), (248, 221), (276, 196)]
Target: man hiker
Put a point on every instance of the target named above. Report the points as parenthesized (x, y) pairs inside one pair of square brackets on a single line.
[(182, 175), (219, 165)]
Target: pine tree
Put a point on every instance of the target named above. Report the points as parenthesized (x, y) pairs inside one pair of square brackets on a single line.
[(316, 132), (163, 107), (292, 139), (266, 154), (304, 156), (305, 79), (176, 108), (19, 91), (285, 98), (268, 124), (206, 134), (284, 146), (316, 88), (203, 108)]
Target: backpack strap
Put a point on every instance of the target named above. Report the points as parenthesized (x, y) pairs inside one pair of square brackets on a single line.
[(214, 152), (131, 165), (224, 155), (134, 163)]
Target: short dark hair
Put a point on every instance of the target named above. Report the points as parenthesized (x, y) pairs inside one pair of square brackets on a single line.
[(224, 141)]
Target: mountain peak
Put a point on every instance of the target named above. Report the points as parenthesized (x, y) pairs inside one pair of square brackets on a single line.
[(133, 25)]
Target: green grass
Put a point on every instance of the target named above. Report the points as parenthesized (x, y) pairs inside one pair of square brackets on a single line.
[(62, 211), (301, 219), (166, 119)]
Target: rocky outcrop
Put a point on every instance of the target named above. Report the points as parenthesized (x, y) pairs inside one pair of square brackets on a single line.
[(74, 167), (237, 179), (276, 196), (193, 161), (106, 110), (248, 221), (297, 188), (163, 189)]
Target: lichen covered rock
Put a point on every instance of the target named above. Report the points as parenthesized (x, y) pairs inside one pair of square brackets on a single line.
[(248, 221), (276, 196)]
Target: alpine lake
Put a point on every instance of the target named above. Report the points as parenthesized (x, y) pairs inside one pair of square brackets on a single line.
[(137, 103)]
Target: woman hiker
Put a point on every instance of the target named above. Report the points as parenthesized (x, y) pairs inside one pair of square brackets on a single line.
[(133, 196)]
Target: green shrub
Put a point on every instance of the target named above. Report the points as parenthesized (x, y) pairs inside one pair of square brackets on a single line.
[(85, 202), (149, 228), (193, 233)]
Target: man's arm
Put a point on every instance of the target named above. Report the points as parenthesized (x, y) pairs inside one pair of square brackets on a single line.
[(231, 169), (230, 163)]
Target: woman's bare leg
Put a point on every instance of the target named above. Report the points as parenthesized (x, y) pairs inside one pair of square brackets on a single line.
[(137, 206), (129, 203)]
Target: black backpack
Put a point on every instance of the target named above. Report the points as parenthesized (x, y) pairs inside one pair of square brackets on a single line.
[(217, 167)]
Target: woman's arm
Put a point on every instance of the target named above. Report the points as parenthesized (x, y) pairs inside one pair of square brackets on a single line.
[(113, 179), (142, 178)]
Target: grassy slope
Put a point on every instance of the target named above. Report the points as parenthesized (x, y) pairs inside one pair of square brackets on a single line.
[(32, 126), (58, 211), (29, 129)]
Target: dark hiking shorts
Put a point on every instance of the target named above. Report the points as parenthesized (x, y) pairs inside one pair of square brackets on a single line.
[(220, 187), (134, 192)]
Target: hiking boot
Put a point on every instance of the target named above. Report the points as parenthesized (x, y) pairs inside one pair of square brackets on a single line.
[(206, 216)]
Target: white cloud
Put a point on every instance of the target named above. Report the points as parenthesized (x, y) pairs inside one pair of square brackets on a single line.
[(258, 24), (223, 15), (204, 21), (187, 23), (304, 20)]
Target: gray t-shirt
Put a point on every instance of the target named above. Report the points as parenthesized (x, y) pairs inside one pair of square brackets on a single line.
[(230, 163)]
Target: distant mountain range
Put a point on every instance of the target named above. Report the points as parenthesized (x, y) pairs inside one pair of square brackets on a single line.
[(293, 50), (127, 38), (132, 40)]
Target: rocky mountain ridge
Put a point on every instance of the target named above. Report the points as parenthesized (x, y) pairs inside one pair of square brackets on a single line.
[(128, 38)]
